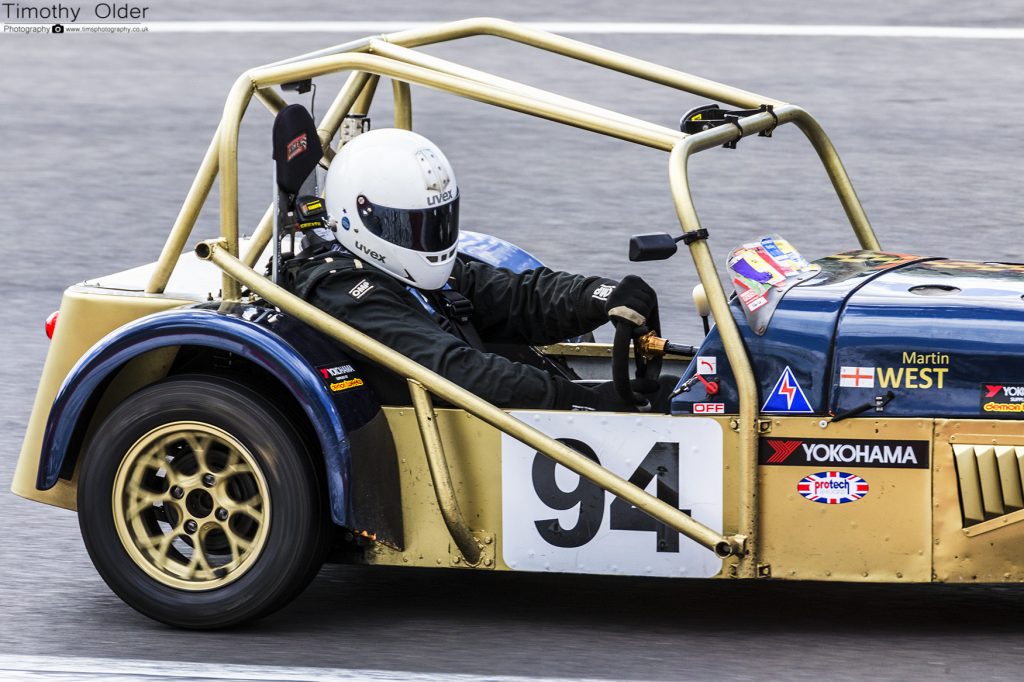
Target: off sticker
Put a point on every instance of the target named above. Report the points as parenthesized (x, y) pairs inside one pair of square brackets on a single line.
[(555, 520), (832, 487)]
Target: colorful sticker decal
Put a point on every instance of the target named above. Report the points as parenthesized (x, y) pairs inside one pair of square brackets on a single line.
[(761, 272), (339, 386), (339, 378), (832, 487), (1002, 400), (754, 272), (787, 396), (782, 252), (883, 454)]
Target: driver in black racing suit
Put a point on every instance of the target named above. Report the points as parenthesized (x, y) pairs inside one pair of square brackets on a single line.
[(393, 274)]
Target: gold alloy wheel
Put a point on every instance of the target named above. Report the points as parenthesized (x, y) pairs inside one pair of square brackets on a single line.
[(191, 506)]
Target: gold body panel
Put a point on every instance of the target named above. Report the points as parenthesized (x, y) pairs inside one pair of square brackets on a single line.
[(990, 551), (883, 537), (87, 314), (890, 535)]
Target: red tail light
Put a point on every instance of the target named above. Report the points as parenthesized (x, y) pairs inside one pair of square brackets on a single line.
[(51, 323)]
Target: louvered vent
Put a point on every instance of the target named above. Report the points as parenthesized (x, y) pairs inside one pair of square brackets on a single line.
[(991, 480)]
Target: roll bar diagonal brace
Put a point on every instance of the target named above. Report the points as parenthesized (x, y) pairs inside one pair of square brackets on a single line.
[(216, 251), (409, 67)]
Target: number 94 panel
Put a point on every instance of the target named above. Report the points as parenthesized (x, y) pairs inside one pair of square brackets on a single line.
[(855, 418)]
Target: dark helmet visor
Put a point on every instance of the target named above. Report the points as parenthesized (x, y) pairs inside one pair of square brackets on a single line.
[(422, 229)]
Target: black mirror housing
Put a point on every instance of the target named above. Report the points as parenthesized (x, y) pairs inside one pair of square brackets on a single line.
[(653, 246)]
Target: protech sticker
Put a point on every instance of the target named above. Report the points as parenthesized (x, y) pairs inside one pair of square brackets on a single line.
[(1002, 400), (360, 289), (787, 396), (832, 487), (888, 454)]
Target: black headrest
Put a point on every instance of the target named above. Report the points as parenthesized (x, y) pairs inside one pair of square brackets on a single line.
[(297, 148)]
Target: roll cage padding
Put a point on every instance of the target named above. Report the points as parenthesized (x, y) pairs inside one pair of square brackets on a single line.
[(209, 329)]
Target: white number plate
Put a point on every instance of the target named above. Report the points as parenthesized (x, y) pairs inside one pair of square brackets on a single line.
[(555, 520)]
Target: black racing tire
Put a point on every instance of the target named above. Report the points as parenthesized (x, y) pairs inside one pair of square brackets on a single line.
[(159, 530)]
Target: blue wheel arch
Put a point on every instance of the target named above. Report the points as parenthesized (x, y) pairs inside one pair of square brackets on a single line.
[(207, 328)]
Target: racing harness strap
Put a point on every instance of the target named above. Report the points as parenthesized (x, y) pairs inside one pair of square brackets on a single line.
[(452, 311)]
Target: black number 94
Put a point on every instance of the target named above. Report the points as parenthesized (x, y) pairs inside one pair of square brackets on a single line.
[(661, 462)]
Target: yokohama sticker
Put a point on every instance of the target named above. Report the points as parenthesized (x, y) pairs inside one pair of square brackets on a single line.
[(338, 378), (887, 454), (1002, 400), (832, 487)]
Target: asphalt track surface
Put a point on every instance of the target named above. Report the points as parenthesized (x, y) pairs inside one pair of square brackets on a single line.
[(101, 136)]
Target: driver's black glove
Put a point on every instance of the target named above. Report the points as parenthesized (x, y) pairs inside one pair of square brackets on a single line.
[(601, 398), (633, 300)]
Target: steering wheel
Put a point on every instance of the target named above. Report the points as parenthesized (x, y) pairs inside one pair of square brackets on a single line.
[(626, 334)]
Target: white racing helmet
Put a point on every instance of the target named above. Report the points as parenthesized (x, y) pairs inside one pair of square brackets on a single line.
[(394, 197)]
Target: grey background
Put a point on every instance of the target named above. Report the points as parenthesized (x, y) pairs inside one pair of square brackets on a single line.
[(100, 137)]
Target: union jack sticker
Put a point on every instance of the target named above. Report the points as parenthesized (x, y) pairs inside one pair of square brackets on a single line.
[(832, 487)]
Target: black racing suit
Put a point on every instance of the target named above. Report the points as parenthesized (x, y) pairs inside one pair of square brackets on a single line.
[(535, 307)]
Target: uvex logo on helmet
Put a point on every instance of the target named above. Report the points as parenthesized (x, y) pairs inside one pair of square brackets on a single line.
[(442, 198)]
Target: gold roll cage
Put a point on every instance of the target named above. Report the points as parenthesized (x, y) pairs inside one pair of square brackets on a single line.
[(391, 56)]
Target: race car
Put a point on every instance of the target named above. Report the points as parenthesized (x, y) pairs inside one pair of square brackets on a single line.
[(855, 418)]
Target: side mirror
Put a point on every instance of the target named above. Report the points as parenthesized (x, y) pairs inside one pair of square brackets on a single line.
[(654, 246)]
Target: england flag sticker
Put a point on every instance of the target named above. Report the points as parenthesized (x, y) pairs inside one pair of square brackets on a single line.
[(857, 377), (787, 396)]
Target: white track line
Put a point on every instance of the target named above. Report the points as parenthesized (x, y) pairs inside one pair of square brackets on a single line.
[(589, 27), (75, 669)]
